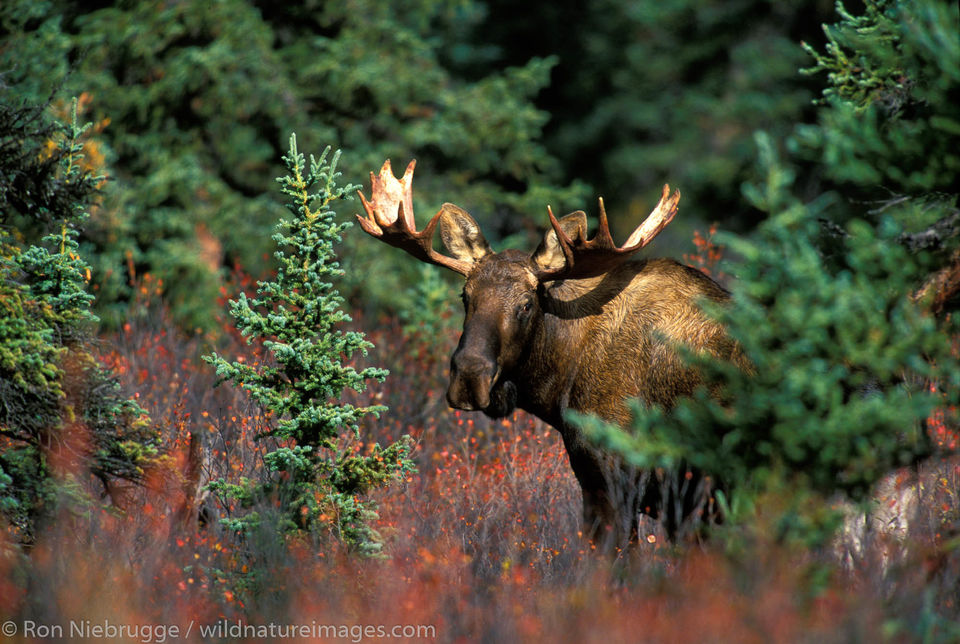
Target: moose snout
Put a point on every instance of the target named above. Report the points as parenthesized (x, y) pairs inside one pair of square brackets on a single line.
[(471, 379)]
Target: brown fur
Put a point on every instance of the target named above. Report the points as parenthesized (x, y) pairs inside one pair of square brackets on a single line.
[(588, 345)]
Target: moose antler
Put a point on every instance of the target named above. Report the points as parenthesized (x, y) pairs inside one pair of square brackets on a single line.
[(390, 218), (590, 257)]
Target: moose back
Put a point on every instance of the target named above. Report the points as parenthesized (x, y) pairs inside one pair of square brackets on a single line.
[(579, 324)]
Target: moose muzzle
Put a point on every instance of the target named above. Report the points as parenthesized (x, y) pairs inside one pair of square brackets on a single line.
[(472, 376)]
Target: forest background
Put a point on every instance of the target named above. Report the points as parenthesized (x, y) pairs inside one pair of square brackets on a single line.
[(836, 190)]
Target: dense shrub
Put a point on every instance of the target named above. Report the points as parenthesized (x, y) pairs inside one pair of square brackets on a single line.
[(196, 97), (64, 418), (842, 306)]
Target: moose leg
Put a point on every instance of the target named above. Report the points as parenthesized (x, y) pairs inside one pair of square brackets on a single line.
[(600, 519), (616, 494), (681, 500), (609, 496)]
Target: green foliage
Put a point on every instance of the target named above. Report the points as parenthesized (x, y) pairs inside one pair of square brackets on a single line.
[(825, 304), (56, 400), (429, 313), (198, 94), (319, 471), (827, 405), (889, 112), (647, 93)]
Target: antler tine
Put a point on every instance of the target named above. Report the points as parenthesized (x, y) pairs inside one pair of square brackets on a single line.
[(657, 220), (603, 238), (591, 257), (565, 243), (390, 218)]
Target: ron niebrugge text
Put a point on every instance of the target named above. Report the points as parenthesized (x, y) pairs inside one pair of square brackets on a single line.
[(159, 633)]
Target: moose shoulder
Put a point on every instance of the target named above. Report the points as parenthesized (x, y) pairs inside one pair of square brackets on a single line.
[(578, 324)]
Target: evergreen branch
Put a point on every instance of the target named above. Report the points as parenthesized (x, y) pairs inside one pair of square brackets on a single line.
[(935, 236), (297, 319)]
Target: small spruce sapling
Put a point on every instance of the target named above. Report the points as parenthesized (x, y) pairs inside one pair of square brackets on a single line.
[(319, 473)]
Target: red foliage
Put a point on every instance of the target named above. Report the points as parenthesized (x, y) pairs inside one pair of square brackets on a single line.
[(483, 540), (708, 254), (944, 423), (946, 438)]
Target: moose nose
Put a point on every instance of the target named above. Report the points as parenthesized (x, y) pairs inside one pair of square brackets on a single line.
[(471, 379)]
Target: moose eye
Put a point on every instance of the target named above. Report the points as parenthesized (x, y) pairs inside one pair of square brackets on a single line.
[(525, 308)]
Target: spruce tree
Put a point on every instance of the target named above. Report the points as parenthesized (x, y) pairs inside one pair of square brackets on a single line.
[(843, 303), (57, 402), (318, 475)]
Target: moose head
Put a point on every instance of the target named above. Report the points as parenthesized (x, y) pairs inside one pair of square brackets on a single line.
[(503, 294)]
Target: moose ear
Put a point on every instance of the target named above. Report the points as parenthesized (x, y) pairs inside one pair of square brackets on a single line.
[(461, 235), (549, 255)]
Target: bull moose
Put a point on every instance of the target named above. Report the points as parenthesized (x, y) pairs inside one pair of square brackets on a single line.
[(579, 324)]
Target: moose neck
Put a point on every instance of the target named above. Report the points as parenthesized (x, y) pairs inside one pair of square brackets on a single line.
[(552, 369)]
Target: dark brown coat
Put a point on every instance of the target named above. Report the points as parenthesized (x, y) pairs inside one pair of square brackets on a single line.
[(577, 325), (589, 345)]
